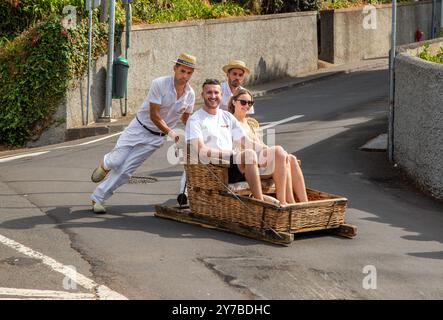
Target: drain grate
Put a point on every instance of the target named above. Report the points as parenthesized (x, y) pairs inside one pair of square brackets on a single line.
[(142, 180)]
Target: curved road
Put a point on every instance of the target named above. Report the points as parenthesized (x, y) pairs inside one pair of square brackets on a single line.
[(45, 207)]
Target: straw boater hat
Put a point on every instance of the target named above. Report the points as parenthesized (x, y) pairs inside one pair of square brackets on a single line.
[(236, 64), (186, 60)]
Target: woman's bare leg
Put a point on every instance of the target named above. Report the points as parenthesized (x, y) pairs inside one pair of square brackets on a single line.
[(277, 157), (289, 191), (298, 181), (248, 166)]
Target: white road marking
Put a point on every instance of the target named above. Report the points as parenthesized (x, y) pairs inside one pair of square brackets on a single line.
[(102, 292), (6, 159), (24, 155), (31, 293), (90, 142), (276, 123)]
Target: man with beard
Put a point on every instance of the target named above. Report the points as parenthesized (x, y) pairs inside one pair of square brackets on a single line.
[(236, 72), (212, 132), (170, 99)]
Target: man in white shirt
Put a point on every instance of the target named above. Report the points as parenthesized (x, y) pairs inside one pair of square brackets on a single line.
[(211, 133), (169, 100), (236, 73)]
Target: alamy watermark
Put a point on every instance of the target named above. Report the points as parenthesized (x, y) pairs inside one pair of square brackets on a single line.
[(370, 19), (370, 280), (70, 280), (69, 21)]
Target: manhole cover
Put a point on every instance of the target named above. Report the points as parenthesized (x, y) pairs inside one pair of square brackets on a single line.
[(142, 179)]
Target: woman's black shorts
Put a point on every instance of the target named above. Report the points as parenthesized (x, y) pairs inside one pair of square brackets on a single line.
[(234, 174)]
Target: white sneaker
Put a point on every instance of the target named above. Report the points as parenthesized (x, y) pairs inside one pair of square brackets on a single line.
[(98, 207)]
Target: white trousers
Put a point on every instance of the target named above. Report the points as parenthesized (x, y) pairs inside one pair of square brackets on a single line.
[(133, 147), (183, 184)]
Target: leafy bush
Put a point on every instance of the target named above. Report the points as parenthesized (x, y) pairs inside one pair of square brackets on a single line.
[(279, 6), (35, 71), (426, 55), (17, 15), (155, 11), (340, 4)]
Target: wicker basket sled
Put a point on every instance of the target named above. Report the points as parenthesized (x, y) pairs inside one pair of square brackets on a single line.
[(215, 204)]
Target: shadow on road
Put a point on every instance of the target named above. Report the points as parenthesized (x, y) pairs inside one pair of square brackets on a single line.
[(125, 217), (334, 165), (372, 184)]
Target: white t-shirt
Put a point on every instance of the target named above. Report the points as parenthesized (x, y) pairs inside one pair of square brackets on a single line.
[(163, 92), (226, 95), (217, 131)]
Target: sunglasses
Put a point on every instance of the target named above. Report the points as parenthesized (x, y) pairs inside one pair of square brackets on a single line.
[(250, 103)]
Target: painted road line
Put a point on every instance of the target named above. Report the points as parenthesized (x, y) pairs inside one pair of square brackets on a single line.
[(6, 159), (24, 155), (102, 292), (31, 293), (276, 123), (90, 142)]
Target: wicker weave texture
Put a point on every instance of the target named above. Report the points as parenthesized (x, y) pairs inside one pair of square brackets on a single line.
[(206, 198)]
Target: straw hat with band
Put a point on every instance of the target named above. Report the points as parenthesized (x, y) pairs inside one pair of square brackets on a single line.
[(236, 64), (186, 60)]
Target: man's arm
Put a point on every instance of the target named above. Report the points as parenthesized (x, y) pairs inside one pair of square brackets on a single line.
[(185, 117), (207, 152), (154, 114)]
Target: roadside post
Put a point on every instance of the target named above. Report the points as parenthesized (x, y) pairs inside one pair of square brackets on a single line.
[(128, 12), (391, 82), (90, 6), (111, 33), (434, 20)]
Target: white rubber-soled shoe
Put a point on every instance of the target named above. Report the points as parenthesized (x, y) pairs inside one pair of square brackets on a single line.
[(99, 174), (98, 208)]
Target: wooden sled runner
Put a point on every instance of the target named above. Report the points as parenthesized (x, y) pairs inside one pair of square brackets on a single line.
[(213, 203)]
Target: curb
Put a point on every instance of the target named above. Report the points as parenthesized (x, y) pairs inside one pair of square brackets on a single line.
[(85, 132)]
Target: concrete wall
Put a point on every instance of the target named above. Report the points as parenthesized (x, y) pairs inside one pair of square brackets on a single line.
[(418, 118), (273, 46), (345, 39)]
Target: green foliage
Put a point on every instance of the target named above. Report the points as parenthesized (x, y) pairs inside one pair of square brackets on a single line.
[(426, 55), (341, 4), (17, 15), (155, 11), (35, 71)]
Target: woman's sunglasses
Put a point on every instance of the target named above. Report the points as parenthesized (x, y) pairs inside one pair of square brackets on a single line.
[(246, 102)]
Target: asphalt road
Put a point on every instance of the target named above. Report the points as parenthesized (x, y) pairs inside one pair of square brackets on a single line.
[(45, 207)]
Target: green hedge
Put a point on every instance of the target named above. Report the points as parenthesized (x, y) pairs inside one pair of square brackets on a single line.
[(35, 71), (426, 55), (18, 15), (155, 11), (341, 4)]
